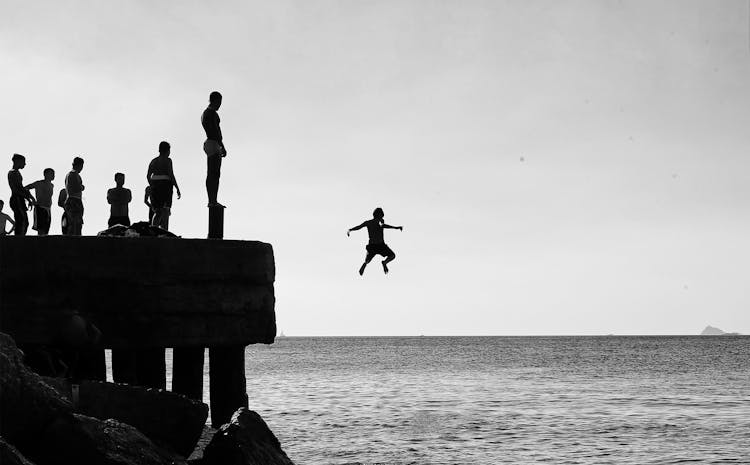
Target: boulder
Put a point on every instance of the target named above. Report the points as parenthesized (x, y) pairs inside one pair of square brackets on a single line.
[(9, 455), (83, 440), (245, 440), (27, 404), (170, 420)]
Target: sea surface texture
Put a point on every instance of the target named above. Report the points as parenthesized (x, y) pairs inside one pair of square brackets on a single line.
[(493, 400)]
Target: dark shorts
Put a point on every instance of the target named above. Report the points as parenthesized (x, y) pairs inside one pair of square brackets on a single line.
[(213, 163), (18, 205), (74, 209), (379, 249), (123, 220), (161, 194), (42, 220)]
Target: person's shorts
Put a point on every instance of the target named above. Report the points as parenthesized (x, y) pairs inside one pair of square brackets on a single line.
[(379, 249), (123, 220), (42, 219), (161, 193), (18, 205), (74, 209), (212, 147)]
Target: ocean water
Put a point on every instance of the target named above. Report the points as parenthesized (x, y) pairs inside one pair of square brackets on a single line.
[(494, 400)]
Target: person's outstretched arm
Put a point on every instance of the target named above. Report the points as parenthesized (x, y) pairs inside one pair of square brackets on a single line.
[(356, 228), (388, 226)]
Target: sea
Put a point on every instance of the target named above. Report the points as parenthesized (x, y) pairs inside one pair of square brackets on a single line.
[(497, 400)]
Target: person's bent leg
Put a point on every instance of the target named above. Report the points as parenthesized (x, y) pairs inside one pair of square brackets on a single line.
[(387, 260), (368, 259)]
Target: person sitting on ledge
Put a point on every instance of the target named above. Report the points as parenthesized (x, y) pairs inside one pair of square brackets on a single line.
[(376, 245), (43, 206), (160, 176), (74, 200), (118, 198), (4, 218)]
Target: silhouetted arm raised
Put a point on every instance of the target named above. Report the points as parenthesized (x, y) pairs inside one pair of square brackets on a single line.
[(356, 228)]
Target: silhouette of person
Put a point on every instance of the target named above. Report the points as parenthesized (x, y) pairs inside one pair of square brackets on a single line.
[(376, 245), (160, 176), (4, 218), (61, 198), (214, 147), (74, 199), (147, 201), (19, 195), (43, 206), (118, 198)]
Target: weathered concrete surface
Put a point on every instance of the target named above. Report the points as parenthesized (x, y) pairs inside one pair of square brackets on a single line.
[(245, 440), (166, 292), (170, 420)]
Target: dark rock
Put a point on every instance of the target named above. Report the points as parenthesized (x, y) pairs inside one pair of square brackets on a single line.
[(83, 440), (9, 455), (139, 229), (245, 440), (27, 403), (170, 420)]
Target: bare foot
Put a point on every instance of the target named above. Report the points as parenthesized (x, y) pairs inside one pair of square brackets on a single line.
[(385, 268), (362, 269)]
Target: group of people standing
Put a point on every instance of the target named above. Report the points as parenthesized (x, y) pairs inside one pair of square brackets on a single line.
[(158, 194)]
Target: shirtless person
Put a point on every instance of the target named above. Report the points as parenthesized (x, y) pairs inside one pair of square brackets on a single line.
[(376, 245), (19, 195), (118, 198), (43, 206), (74, 200), (160, 176), (214, 147)]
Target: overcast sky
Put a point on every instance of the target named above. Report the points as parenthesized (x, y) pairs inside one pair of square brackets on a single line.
[(559, 167)]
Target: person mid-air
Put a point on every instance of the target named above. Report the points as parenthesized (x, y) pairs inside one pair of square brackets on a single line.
[(376, 245)]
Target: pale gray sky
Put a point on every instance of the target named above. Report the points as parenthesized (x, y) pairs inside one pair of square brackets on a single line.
[(630, 213)]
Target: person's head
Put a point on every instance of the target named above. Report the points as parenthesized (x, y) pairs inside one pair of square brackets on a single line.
[(77, 164), (119, 179), (19, 161), (49, 174), (164, 148), (214, 99), (378, 214)]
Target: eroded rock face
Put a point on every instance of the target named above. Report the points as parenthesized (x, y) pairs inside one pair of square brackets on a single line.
[(170, 420), (9, 455), (27, 404), (37, 421), (245, 440), (89, 441)]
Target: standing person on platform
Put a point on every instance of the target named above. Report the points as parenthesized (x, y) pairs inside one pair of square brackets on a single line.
[(118, 198), (74, 200), (214, 148), (147, 201), (5, 219), (43, 206), (61, 198), (19, 195), (160, 176)]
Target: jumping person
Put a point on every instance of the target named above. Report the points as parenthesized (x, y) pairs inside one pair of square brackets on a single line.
[(214, 147), (5, 219), (43, 206), (19, 195), (160, 176), (376, 245), (74, 199), (118, 198)]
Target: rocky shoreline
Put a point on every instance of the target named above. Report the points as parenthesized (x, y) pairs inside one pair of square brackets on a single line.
[(52, 421)]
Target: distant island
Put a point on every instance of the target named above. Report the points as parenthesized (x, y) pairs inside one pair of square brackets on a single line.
[(711, 331)]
